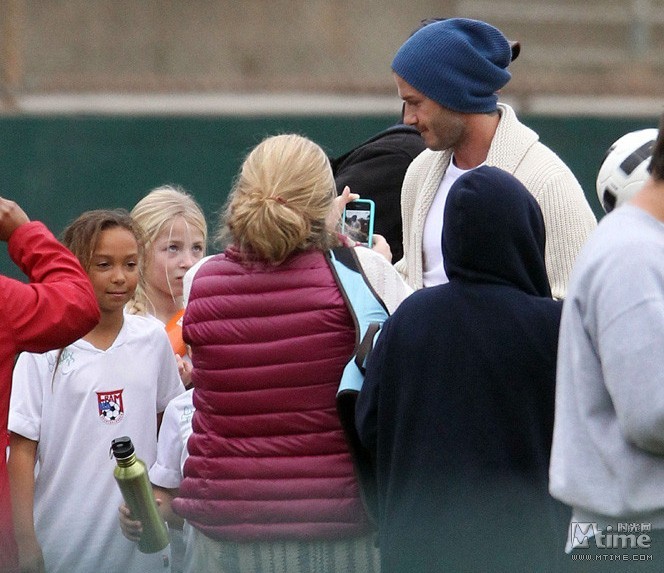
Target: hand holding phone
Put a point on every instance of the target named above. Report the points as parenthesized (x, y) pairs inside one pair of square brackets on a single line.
[(358, 220)]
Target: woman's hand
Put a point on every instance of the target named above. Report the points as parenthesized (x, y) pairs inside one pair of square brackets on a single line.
[(337, 210)]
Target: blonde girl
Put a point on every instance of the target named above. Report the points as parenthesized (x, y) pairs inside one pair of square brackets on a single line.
[(175, 239)]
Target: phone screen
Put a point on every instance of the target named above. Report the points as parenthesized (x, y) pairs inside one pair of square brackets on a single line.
[(358, 221)]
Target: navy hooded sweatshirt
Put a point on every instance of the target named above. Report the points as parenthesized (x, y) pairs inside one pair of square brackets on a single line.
[(458, 401)]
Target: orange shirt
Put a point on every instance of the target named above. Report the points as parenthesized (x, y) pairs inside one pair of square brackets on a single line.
[(174, 331)]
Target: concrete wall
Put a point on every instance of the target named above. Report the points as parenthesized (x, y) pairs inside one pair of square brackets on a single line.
[(206, 44), (593, 47)]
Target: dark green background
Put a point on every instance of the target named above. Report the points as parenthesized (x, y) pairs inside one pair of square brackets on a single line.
[(57, 167)]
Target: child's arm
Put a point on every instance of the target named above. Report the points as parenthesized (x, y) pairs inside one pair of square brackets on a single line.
[(185, 368), (21, 468), (132, 528), (166, 496)]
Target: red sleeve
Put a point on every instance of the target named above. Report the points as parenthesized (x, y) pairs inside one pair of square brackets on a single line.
[(58, 306)]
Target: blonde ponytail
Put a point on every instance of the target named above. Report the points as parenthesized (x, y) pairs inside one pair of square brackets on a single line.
[(281, 199)]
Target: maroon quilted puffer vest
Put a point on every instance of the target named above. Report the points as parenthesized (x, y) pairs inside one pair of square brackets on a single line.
[(268, 457)]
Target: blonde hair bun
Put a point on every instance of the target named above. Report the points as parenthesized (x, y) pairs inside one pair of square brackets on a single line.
[(281, 198)]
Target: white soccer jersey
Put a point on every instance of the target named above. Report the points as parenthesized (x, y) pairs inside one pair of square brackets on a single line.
[(74, 411), (172, 444)]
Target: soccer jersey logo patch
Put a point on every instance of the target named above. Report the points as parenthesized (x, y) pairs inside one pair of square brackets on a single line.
[(111, 408)]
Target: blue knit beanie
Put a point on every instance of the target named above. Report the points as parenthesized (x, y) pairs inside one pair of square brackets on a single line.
[(459, 63)]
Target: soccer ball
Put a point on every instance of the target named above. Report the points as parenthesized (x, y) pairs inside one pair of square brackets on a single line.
[(624, 169), (112, 413)]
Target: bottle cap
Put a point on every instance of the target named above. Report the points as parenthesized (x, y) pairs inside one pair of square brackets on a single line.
[(122, 447)]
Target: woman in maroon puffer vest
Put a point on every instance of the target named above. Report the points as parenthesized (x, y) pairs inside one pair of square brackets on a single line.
[(269, 483)]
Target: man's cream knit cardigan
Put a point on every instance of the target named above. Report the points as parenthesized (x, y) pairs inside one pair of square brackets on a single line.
[(568, 218)]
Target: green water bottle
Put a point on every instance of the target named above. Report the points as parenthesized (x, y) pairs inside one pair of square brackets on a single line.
[(132, 477)]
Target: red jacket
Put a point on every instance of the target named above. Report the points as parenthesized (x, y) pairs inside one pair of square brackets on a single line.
[(56, 308), (268, 458)]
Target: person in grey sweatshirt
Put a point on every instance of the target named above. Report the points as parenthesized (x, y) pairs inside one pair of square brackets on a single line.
[(607, 459)]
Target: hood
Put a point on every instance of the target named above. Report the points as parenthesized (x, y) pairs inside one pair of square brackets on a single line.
[(494, 232)]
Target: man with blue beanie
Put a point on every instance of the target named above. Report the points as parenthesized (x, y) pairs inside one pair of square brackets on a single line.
[(448, 74)]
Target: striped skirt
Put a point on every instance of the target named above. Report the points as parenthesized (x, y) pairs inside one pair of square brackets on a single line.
[(352, 555)]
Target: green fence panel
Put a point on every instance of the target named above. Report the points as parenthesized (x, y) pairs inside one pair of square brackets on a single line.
[(57, 167)]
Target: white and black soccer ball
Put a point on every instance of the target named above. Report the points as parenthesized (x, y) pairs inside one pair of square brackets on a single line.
[(112, 413), (624, 169)]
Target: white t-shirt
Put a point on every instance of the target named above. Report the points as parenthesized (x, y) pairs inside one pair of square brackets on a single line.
[(188, 278), (174, 432), (93, 397), (433, 272)]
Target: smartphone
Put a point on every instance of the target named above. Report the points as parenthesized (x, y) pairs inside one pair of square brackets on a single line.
[(358, 221)]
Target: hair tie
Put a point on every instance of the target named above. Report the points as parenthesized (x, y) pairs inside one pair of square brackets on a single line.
[(278, 199)]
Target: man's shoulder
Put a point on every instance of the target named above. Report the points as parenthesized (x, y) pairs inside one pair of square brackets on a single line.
[(524, 144), (625, 243), (538, 165), (426, 159), (404, 138), (399, 140), (629, 228)]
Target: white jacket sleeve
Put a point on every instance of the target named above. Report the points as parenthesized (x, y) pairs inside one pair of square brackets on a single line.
[(384, 278)]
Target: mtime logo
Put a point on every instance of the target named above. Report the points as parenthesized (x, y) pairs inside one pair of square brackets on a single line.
[(627, 537)]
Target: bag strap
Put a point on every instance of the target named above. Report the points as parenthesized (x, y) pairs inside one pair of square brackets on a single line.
[(366, 308), (369, 312), (366, 345)]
